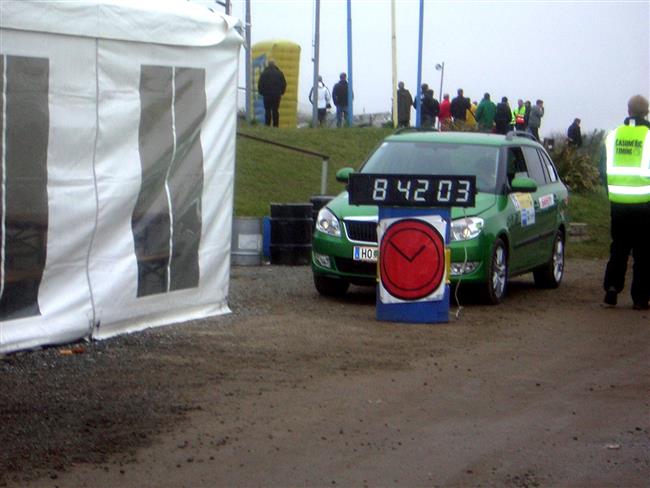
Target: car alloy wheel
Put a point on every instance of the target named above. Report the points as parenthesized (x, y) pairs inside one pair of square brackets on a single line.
[(497, 281), (550, 274)]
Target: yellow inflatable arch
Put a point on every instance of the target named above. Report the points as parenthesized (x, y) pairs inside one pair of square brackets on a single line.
[(286, 55)]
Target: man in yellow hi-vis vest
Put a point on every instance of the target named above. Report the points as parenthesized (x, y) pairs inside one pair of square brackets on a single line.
[(519, 114), (625, 166)]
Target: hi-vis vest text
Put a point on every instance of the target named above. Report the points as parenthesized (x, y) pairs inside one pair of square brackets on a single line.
[(628, 164)]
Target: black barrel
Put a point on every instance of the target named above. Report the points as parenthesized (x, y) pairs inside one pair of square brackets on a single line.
[(318, 202), (291, 229)]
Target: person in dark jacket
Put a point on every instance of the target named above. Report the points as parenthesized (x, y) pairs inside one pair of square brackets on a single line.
[(574, 134), (340, 99), (503, 117), (535, 118), (424, 88), (272, 86), (404, 103), (459, 107), (430, 109)]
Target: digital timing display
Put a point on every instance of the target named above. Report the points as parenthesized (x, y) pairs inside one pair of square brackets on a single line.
[(412, 190)]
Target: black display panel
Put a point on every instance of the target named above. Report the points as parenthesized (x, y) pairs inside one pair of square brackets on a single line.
[(412, 190)]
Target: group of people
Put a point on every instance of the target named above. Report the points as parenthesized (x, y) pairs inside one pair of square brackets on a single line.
[(625, 160), (500, 118), (272, 85), (460, 111), (324, 99)]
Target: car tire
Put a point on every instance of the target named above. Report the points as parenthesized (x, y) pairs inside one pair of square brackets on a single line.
[(330, 287), (495, 286), (550, 274)]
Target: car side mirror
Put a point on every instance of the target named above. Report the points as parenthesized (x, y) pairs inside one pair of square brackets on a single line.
[(343, 175), (523, 184)]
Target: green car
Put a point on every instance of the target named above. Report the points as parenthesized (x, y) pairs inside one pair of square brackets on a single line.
[(518, 224)]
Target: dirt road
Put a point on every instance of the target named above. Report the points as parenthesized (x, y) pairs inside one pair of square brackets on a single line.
[(291, 389)]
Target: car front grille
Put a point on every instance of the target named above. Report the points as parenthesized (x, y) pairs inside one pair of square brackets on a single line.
[(345, 265), (361, 230)]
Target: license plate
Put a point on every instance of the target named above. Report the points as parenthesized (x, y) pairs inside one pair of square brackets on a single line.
[(366, 253)]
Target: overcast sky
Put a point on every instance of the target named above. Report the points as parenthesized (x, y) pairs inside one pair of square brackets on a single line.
[(583, 58)]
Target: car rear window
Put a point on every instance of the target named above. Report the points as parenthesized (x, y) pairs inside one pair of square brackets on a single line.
[(429, 158)]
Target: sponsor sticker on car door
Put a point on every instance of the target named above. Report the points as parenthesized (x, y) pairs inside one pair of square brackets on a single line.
[(524, 203)]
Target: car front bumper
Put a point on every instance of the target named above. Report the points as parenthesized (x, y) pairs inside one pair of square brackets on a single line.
[(334, 257)]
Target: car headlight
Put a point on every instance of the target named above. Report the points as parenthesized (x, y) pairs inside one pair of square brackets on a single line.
[(327, 223), (466, 228)]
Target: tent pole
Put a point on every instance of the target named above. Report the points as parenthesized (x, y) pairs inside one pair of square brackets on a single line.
[(393, 38), (249, 66), (314, 96)]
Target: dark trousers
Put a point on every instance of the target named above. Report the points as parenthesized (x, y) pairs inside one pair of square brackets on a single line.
[(271, 105), (322, 115), (630, 234), (341, 114), (502, 127)]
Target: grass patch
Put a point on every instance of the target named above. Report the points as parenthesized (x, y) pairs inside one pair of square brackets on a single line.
[(268, 174), (593, 209)]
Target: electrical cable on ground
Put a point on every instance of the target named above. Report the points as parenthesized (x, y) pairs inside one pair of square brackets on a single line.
[(458, 305)]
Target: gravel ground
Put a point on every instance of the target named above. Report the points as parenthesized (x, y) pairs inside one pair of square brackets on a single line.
[(548, 389)]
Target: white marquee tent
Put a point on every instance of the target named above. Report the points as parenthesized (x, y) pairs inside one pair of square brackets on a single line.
[(117, 145)]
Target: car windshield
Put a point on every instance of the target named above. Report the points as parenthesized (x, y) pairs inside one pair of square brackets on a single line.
[(434, 158)]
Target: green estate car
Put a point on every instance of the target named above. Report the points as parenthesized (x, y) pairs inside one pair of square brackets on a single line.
[(518, 224)]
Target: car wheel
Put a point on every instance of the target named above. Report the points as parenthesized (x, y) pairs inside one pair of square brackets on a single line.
[(330, 287), (495, 287), (550, 274)]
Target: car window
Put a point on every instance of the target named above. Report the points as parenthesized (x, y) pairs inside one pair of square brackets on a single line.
[(550, 167), (430, 158), (534, 164), (515, 163)]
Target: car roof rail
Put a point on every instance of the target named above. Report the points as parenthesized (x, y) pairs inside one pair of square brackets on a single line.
[(402, 130), (520, 133)]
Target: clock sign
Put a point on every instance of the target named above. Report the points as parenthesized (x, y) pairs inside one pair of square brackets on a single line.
[(412, 259), (412, 190)]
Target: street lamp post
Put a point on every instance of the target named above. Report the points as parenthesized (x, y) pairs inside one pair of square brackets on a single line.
[(441, 67)]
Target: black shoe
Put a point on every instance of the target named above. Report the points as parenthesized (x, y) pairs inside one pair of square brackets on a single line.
[(611, 297), (641, 306)]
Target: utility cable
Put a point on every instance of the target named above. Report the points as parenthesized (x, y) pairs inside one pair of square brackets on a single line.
[(458, 305)]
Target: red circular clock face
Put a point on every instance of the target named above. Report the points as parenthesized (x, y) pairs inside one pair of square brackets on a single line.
[(412, 259)]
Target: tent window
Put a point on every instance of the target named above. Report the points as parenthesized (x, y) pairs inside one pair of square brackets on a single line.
[(166, 221), (24, 125)]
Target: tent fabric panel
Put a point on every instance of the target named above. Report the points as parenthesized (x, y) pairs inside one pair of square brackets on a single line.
[(171, 22), (63, 293), (94, 175), (180, 164)]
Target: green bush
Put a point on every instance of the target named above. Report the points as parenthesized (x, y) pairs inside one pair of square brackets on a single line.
[(578, 167)]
